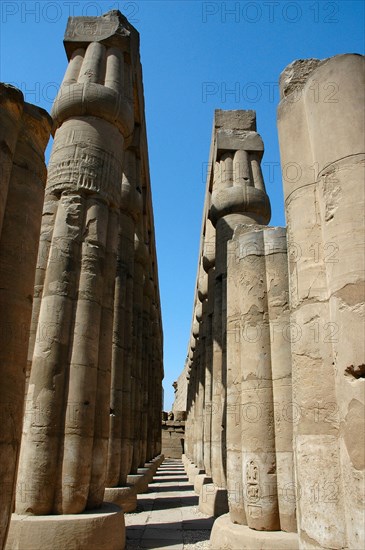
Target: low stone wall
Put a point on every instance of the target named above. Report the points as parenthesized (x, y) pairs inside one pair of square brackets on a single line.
[(173, 438)]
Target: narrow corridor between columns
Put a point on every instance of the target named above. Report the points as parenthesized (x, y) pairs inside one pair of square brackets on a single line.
[(167, 517)]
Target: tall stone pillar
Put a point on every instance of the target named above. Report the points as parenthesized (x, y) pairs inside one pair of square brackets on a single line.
[(64, 448), (146, 363), (321, 132), (199, 388), (257, 400), (151, 374), (260, 480), (159, 398), (189, 446), (156, 400), (193, 356), (238, 197), (120, 443), (204, 299), (260, 365), (11, 109), (208, 265), (277, 288), (140, 262), (201, 317), (25, 130)]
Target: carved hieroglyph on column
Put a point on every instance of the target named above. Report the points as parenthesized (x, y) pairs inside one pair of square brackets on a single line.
[(66, 429), (321, 132), (24, 133)]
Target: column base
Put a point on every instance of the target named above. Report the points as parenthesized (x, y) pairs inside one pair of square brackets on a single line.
[(192, 472), (152, 466), (147, 472), (186, 462), (157, 461), (91, 530), (139, 481), (230, 536), (213, 500), (144, 476), (199, 481), (124, 497)]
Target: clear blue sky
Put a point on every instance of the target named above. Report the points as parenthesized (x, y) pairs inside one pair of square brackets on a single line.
[(197, 57)]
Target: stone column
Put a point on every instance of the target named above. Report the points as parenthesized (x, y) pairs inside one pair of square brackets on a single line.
[(195, 366), (257, 402), (260, 479), (321, 131), (64, 447), (155, 390), (238, 197), (193, 355), (11, 108), (26, 132), (189, 446), (102, 409), (160, 373), (187, 422), (120, 445), (205, 366), (140, 262), (11, 104), (146, 364), (200, 315), (260, 360), (158, 367), (208, 265), (151, 376), (276, 268)]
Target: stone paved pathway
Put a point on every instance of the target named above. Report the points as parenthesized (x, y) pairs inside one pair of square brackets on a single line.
[(167, 517)]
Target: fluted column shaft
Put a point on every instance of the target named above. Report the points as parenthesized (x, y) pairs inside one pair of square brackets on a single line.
[(120, 444), (64, 449), (152, 401), (189, 450), (201, 393), (146, 366), (140, 261), (238, 198), (231, 206), (208, 263)]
